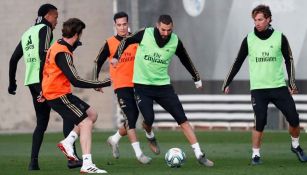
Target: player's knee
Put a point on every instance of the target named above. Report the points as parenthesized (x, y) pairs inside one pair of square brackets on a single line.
[(182, 120), (87, 122), (259, 128), (148, 122), (92, 115), (294, 122), (131, 124), (260, 125), (41, 128), (261, 121)]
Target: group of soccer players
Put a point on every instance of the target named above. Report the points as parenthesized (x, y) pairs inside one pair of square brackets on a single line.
[(138, 66)]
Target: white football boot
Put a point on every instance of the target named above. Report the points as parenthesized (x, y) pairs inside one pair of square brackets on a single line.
[(114, 146), (91, 169), (68, 150)]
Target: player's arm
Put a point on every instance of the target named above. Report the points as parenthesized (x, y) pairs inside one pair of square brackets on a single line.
[(236, 65), (45, 37), (131, 39), (188, 64), (287, 54), (102, 56), (17, 54), (65, 62)]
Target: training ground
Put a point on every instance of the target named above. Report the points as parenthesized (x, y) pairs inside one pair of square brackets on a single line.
[(231, 152)]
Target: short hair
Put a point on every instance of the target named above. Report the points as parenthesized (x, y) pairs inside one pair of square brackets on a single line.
[(262, 9), (71, 27), (165, 19), (44, 9), (120, 15)]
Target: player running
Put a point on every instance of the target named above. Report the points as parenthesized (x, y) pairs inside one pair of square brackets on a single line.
[(121, 77), (151, 81), (58, 75), (33, 47)]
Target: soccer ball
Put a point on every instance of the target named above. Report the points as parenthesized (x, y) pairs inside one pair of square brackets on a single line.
[(175, 157)]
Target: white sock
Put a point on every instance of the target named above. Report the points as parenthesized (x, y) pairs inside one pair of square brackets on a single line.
[(116, 137), (137, 149), (150, 135), (295, 142), (87, 159), (196, 149), (71, 138), (256, 152)]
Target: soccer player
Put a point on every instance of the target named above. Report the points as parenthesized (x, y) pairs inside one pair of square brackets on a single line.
[(121, 77), (58, 75), (265, 48), (157, 46), (33, 47)]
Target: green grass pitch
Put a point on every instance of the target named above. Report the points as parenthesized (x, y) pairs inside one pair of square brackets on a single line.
[(231, 152)]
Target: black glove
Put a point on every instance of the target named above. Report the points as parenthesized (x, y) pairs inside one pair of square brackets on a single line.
[(12, 88)]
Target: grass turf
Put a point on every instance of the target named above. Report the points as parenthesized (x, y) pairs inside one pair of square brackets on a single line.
[(231, 152)]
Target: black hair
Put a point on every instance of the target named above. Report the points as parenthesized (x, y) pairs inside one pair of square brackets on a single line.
[(120, 15), (165, 19), (44, 9), (72, 26)]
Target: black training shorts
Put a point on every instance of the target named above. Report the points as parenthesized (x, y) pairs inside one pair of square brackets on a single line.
[(126, 101), (164, 96), (281, 98), (70, 107)]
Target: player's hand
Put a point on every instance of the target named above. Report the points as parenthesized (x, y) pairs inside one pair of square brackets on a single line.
[(114, 62), (198, 84), (99, 90), (41, 98), (12, 88), (293, 90), (226, 90)]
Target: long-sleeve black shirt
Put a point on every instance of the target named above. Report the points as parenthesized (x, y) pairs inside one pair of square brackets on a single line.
[(45, 37), (65, 62), (180, 51), (104, 53), (243, 52)]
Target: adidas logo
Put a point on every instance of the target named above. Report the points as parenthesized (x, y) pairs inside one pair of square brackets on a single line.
[(29, 44), (92, 169)]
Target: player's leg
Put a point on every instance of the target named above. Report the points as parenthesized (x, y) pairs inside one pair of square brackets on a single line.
[(113, 140), (256, 144), (260, 101), (68, 126), (170, 102), (42, 111), (86, 127), (73, 108), (130, 111), (152, 141), (144, 99), (284, 101)]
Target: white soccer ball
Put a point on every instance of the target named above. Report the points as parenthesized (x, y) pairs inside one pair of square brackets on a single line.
[(175, 157)]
